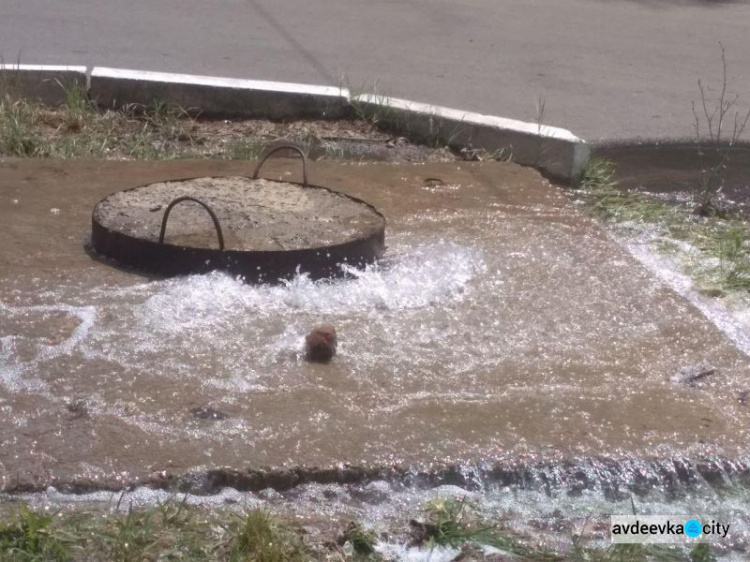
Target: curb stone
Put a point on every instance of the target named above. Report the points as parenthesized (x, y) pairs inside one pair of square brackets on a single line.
[(556, 152), (43, 83), (218, 97)]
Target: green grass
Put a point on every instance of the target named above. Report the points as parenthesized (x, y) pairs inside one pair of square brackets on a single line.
[(454, 523), (259, 537), (174, 531), (719, 245), (362, 540), (598, 175), (30, 536), (377, 111), (243, 149), (160, 131), (17, 134)]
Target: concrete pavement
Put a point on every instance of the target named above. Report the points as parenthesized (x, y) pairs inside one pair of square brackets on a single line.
[(607, 68)]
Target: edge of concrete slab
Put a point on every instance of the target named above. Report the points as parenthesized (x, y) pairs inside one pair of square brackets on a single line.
[(554, 151), (611, 473)]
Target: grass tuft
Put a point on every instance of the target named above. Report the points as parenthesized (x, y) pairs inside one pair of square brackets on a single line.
[(17, 135), (174, 531), (258, 537), (598, 175), (454, 523), (30, 536), (718, 255), (362, 540)]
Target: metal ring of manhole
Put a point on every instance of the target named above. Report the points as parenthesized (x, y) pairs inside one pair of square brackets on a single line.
[(261, 230)]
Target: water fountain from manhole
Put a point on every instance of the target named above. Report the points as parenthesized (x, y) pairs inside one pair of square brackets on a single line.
[(260, 230)]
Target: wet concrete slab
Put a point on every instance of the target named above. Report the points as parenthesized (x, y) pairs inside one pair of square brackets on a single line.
[(502, 325)]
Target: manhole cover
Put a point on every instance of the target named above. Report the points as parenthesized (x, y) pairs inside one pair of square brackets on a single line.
[(262, 230)]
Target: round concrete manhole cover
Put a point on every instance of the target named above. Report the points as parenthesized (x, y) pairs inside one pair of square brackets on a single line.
[(262, 230)]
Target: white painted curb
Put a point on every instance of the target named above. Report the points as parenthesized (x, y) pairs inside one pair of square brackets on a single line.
[(214, 96), (467, 117), (556, 151)]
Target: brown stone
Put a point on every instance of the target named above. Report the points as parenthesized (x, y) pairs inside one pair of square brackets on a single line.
[(320, 343)]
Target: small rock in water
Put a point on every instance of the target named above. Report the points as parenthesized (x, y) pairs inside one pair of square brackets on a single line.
[(691, 374), (208, 413), (320, 344)]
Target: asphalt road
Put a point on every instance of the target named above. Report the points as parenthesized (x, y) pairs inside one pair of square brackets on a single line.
[(606, 68)]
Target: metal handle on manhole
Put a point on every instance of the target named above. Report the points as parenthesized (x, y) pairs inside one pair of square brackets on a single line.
[(284, 147), (214, 218)]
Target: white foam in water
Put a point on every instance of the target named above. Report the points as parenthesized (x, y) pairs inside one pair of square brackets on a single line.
[(425, 276), (181, 327), (392, 551), (255, 330), (735, 324), (12, 370), (388, 506)]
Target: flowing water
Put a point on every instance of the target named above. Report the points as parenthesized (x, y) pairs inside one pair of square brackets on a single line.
[(503, 329)]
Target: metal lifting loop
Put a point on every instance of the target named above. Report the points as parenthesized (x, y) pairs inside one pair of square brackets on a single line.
[(284, 147), (214, 218)]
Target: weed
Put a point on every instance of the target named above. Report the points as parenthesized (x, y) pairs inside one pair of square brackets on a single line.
[(728, 242), (78, 110), (710, 124), (172, 121), (603, 199), (133, 537), (719, 255), (453, 523), (174, 531), (17, 136), (376, 109), (541, 108), (362, 540), (259, 538), (80, 129), (143, 145), (30, 537), (243, 149), (334, 151), (447, 518), (167, 531), (598, 175), (10, 79), (306, 140)]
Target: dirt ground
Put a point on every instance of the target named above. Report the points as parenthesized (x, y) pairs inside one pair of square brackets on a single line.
[(557, 344)]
